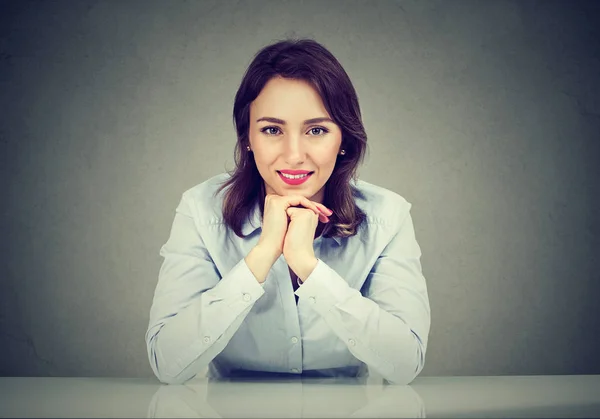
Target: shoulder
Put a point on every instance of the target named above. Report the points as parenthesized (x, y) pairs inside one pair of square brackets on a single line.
[(381, 206), (204, 201)]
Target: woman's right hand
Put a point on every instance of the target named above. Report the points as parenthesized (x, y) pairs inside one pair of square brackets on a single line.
[(275, 220)]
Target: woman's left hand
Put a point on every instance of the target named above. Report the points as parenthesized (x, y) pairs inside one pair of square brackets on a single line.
[(298, 243)]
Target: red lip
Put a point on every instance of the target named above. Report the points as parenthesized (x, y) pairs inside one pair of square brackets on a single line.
[(294, 182), (295, 172)]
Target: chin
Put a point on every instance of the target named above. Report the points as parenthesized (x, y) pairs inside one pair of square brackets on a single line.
[(289, 192)]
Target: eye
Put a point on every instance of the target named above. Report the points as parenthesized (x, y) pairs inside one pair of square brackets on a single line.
[(267, 130), (272, 130), (323, 130)]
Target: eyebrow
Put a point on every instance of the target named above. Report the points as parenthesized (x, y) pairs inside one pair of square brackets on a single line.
[(282, 122)]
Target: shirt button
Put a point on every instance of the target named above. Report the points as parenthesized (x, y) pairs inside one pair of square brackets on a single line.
[(294, 370), (206, 339), (312, 300), (246, 297), (294, 339), (352, 342)]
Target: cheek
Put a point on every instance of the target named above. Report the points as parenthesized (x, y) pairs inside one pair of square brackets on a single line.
[(327, 156), (264, 158)]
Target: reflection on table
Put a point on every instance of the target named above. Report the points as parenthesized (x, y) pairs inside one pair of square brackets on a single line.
[(534, 396), (286, 398)]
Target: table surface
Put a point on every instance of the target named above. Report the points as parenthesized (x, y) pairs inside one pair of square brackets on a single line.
[(496, 396)]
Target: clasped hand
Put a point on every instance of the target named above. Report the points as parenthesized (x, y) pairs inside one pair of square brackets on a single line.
[(289, 226)]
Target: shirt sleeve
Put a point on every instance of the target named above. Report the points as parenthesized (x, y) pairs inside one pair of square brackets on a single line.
[(388, 327), (195, 312)]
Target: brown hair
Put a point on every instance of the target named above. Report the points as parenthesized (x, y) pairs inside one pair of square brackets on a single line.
[(299, 59)]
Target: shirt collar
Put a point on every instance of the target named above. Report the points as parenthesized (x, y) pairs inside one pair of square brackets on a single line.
[(253, 222)]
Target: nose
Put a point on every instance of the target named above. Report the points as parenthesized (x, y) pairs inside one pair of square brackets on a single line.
[(293, 150)]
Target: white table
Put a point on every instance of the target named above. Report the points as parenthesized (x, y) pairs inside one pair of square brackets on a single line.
[(504, 396)]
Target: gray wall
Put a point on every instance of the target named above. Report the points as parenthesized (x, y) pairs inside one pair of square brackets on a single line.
[(484, 114)]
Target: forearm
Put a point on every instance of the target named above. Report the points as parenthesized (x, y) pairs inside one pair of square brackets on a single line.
[(392, 342), (180, 356), (260, 261), (304, 267), (381, 340), (182, 341)]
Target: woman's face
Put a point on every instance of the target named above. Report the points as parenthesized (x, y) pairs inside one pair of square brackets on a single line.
[(290, 129)]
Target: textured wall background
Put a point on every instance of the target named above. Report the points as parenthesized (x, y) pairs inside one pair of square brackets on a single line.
[(484, 114)]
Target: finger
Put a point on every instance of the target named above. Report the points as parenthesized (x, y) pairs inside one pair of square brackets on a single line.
[(318, 208), (321, 213), (322, 217), (321, 210), (325, 210), (305, 202), (312, 205)]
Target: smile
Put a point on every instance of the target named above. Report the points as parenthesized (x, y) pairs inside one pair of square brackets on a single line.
[(294, 179)]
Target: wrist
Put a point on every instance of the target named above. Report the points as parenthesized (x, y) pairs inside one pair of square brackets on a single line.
[(304, 269), (259, 262), (265, 253)]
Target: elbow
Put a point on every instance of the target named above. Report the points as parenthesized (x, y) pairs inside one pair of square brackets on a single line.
[(168, 379), (167, 369), (401, 377), (163, 371), (404, 371), (402, 374), (162, 368)]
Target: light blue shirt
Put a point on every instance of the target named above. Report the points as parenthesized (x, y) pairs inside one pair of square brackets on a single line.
[(364, 307)]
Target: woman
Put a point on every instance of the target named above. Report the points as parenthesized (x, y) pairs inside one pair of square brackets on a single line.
[(290, 264)]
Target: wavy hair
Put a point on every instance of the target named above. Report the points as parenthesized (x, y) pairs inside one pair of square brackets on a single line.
[(307, 60)]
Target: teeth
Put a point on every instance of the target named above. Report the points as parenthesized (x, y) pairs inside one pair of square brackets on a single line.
[(294, 176)]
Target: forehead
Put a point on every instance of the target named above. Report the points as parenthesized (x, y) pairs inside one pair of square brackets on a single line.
[(288, 99)]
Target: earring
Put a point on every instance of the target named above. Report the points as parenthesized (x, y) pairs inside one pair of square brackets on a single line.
[(248, 147), (343, 152)]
